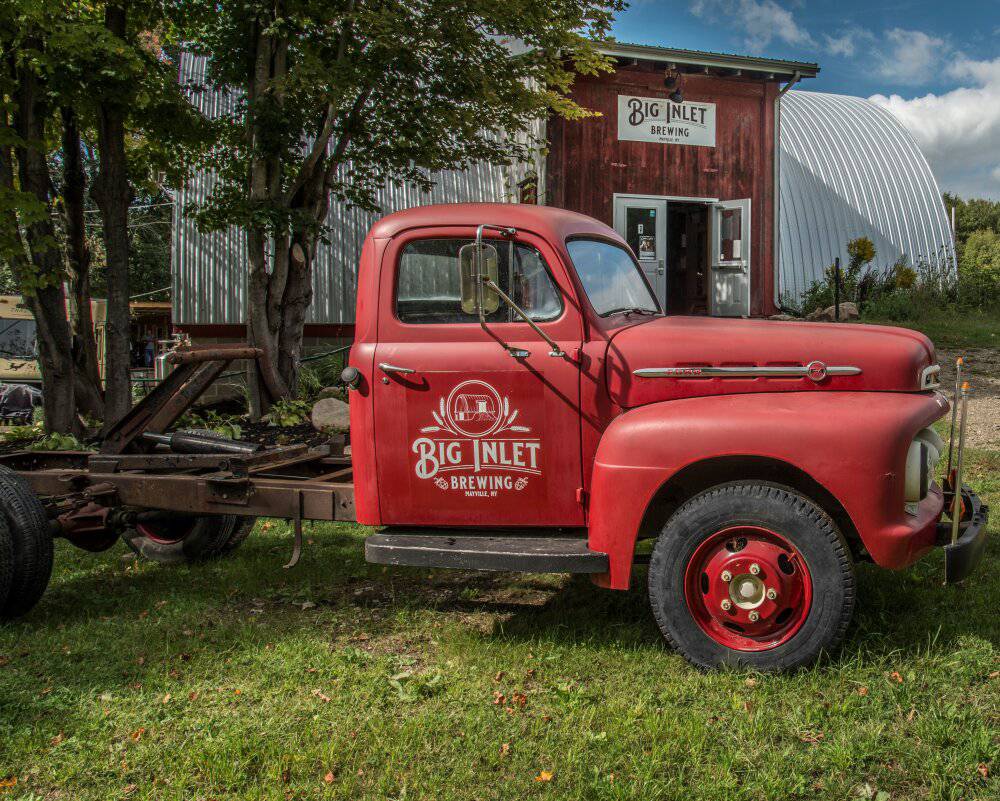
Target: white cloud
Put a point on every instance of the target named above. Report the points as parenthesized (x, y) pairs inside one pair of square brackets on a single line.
[(958, 131), (759, 21), (910, 57), (847, 42)]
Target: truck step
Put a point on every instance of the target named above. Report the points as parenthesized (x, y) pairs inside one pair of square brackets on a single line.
[(486, 552)]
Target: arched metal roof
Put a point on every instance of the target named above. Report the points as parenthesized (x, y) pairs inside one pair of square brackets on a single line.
[(849, 169)]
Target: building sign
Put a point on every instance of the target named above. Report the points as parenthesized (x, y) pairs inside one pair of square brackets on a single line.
[(652, 119)]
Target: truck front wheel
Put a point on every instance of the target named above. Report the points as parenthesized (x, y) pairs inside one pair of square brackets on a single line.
[(188, 539), (751, 574)]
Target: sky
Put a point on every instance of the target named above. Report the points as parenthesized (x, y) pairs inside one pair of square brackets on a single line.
[(934, 65)]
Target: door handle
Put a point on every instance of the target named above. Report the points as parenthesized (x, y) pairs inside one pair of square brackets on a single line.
[(660, 269), (385, 367)]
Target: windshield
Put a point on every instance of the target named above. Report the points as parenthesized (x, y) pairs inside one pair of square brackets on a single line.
[(610, 277)]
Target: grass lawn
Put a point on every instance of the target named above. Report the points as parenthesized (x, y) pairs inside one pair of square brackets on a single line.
[(343, 680), (949, 329)]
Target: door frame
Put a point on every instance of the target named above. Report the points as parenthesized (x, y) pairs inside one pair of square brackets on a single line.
[(709, 202)]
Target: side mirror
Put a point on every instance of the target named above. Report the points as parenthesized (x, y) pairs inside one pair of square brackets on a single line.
[(476, 260)]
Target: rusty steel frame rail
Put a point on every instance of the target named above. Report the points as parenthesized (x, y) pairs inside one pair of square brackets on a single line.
[(219, 493)]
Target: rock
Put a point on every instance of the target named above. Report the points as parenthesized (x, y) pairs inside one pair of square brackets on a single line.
[(848, 311), (331, 416), (332, 392), (784, 317)]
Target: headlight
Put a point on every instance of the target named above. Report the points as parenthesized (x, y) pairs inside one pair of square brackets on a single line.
[(921, 459)]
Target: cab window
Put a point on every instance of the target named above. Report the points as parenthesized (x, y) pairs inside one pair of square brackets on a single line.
[(428, 289)]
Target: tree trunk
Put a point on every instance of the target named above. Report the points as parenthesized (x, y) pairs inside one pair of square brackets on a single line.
[(89, 396), (113, 195), (40, 279)]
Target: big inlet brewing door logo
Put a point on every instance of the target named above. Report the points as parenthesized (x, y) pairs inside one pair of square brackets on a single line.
[(653, 119), (476, 442)]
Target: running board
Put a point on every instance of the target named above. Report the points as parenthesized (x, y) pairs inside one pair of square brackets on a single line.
[(482, 552)]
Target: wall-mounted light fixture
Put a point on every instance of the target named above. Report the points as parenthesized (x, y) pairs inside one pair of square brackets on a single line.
[(674, 81)]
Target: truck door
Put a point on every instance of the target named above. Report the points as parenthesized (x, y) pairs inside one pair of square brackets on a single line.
[(475, 425), (730, 237)]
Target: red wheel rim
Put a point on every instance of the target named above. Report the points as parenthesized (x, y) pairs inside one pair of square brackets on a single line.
[(166, 532), (748, 588)]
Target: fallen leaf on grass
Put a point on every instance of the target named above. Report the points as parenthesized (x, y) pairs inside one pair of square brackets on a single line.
[(6, 784), (911, 715), (329, 777), (995, 674), (896, 677), (862, 691), (811, 737), (498, 698), (166, 698), (984, 770), (751, 682), (324, 698), (308, 605), (137, 734), (129, 789), (193, 695), (504, 749), (57, 739), (498, 676), (544, 776), (520, 699)]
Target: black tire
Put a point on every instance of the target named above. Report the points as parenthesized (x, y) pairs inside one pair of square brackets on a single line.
[(188, 539), (6, 561), (31, 545), (797, 522)]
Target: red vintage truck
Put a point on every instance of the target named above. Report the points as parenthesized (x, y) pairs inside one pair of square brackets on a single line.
[(518, 401)]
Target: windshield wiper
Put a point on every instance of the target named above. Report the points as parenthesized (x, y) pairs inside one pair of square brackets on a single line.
[(630, 310)]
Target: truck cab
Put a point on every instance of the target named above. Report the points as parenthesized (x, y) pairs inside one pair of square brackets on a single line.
[(520, 401)]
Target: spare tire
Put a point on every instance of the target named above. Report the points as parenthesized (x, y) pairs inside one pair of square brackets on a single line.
[(31, 550), (186, 538)]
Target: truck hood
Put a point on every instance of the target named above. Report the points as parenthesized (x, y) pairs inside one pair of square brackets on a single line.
[(883, 359)]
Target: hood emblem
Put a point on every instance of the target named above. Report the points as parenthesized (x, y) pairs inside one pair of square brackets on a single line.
[(815, 370)]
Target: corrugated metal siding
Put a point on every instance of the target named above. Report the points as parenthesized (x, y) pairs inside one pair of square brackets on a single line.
[(849, 169), (209, 270)]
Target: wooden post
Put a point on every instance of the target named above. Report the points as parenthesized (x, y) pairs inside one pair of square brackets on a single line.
[(836, 289)]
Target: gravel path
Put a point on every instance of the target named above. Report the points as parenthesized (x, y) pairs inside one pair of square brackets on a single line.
[(984, 403)]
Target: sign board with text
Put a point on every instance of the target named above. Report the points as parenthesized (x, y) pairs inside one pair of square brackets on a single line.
[(652, 119)]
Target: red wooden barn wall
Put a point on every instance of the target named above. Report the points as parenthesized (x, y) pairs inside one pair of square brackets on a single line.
[(586, 163)]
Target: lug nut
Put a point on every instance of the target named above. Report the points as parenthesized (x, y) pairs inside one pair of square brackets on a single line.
[(772, 594), (755, 568), (727, 576), (726, 605), (754, 616)]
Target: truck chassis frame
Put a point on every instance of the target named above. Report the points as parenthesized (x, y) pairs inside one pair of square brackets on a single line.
[(90, 494)]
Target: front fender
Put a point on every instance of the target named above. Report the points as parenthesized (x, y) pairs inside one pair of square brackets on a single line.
[(852, 443)]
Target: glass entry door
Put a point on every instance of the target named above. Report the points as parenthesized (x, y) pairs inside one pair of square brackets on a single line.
[(642, 222), (730, 285)]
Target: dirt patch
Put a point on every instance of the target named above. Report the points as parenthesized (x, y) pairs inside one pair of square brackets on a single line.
[(982, 365)]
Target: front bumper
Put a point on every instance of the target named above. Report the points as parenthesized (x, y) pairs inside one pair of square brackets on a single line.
[(962, 556)]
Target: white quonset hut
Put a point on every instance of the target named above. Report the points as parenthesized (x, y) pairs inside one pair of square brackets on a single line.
[(813, 171), (848, 168)]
